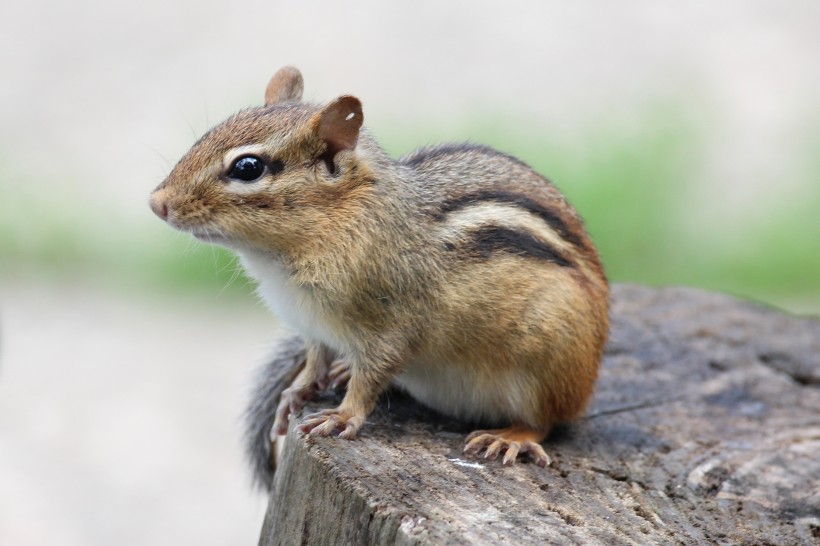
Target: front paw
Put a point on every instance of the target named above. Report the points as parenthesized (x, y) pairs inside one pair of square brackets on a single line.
[(326, 422), (291, 402)]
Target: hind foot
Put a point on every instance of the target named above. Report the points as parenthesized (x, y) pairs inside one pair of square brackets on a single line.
[(512, 441)]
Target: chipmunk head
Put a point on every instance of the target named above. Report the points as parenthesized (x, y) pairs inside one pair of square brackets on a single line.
[(268, 177)]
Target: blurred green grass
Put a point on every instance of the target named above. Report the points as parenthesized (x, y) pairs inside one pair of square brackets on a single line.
[(628, 180)]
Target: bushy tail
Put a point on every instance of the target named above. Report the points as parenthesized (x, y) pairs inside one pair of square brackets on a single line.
[(283, 366)]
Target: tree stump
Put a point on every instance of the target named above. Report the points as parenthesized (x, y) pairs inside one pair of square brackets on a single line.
[(705, 428)]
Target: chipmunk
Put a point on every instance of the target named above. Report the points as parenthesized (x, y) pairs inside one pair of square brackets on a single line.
[(456, 272)]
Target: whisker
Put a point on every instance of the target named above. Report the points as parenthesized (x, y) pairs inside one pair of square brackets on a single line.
[(237, 271), (190, 125), (168, 164)]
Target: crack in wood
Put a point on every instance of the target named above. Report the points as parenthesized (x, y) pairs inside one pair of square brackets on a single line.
[(785, 364), (632, 407)]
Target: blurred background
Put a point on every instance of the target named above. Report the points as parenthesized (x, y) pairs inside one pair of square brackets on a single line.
[(687, 137)]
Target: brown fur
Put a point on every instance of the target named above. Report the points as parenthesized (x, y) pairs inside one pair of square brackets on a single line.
[(285, 86), (381, 262)]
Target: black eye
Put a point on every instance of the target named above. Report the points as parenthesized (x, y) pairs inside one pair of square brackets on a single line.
[(247, 168)]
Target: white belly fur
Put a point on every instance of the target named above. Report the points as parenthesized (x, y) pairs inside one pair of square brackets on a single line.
[(453, 390), (291, 303)]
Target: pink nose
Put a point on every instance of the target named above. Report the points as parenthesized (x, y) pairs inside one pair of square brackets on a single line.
[(159, 204)]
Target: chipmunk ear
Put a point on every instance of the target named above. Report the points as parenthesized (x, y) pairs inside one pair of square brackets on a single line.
[(286, 85), (338, 124)]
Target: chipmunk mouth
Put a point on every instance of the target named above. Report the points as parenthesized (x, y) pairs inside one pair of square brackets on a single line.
[(208, 236)]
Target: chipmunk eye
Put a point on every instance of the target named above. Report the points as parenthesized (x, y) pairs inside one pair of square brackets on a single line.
[(247, 168)]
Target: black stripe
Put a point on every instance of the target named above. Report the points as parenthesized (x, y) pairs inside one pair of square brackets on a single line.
[(490, 239), (500, 196)]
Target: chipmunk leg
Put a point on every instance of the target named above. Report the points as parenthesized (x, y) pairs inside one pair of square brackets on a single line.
[(349, 417), (339, 374), (513, 441), (367, 381), (312, 380)]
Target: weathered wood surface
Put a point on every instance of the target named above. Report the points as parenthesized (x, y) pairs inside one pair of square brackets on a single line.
[(705, 428)]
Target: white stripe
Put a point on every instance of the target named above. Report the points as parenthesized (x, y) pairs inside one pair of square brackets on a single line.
[(505, 215)]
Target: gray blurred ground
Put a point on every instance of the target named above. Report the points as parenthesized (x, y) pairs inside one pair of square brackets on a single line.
[(120, 418), (119, 411)]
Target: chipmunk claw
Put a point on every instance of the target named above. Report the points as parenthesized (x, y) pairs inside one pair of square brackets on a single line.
[(290, 403), (283, 411), (512, 441), (326, 422)]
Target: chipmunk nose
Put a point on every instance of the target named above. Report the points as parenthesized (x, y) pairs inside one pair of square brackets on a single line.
[(159, 204)]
